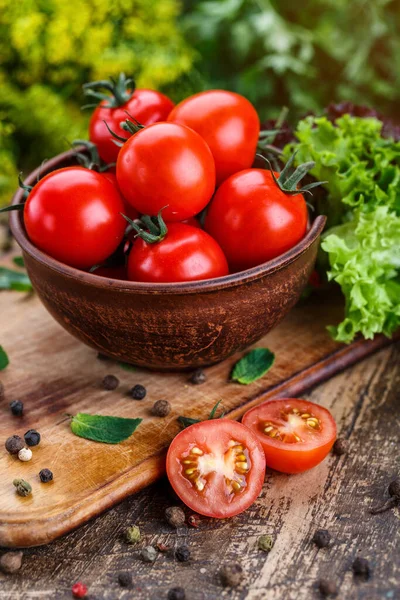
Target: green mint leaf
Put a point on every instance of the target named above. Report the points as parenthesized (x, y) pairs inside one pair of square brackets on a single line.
[(99, 428), (253, 366), (14, 280), (19, 261), (126, 366), (3, 359)]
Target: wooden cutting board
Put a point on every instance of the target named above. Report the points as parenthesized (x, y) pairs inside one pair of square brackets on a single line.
[(53, 374)]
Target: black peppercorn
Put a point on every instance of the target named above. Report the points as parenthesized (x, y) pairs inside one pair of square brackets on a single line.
[(45, 475), (177, 593), (361, 567), (340, 447), (197, 377), (182, 553), (110, 382), (328, 587), (125, 580), (231, 575), (161, 408), (14, 444), (32, 437), (321, 538), (138, 392), (175, 516), (17, 408)]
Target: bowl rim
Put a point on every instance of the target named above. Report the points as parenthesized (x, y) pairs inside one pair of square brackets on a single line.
[(92, 280)]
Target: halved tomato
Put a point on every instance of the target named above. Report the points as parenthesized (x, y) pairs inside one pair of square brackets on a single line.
[(216, 467), (296, 434)]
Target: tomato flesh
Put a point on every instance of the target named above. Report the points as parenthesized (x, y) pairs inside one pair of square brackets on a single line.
[(296, 434), (216, 467)]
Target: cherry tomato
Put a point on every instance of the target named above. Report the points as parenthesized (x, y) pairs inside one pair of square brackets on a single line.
[(146, 106), (73, 214), (229, 124), (253, 220), (118, 272), (185, 254), (296, 434), (216, 467), (166, 165)]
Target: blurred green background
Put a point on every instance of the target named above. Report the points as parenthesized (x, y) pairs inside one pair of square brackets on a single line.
[(300, 54)]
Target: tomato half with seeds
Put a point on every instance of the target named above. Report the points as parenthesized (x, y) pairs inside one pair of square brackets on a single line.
[(216, 467), (296, 434)]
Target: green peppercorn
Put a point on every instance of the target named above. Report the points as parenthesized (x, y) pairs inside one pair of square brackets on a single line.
[(14, 444), (23, 488), (132, 534), (266, 542)]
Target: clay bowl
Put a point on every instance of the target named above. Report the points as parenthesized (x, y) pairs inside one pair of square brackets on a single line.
[(167, 326)]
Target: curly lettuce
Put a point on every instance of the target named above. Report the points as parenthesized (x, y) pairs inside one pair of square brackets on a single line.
[(362, 202)]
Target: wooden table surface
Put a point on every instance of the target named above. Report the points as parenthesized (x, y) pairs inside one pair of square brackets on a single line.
[(336, 496)]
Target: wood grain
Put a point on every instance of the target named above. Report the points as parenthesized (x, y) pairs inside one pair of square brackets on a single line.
[(53, 374), (337, 495)]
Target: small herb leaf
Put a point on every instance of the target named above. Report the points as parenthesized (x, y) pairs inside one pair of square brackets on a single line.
[(187, 422), (214, 410), (126, 366), (14, 280), (99, 428), (253, 365), (19, 261), (3, 359)]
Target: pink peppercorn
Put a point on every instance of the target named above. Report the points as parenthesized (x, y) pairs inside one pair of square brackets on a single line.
[(79, 590)]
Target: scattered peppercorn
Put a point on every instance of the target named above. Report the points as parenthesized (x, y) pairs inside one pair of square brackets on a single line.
[(361, 567), (125, 580), (149, 554), (23, 488), (266, 542), (79, 590), (175, 516), (138, 392), (17, 408), (394, 500), (197, 377), (110, 382), (132, 534), (182, 553), (194, 521), (161, 408), (231, 575), (328, 587), (45, 475), (11, 562), (32, 437), (14, 444), (25, 454), (177, 593), (321, 538), (162, 547), (340, 447)]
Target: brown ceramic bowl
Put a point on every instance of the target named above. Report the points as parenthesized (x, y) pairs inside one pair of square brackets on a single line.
[(167, 326)]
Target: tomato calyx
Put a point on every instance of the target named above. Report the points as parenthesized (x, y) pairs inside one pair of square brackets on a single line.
[(151, 229), (289, 180), (198, 466), (120, 91), (91, 160), (130, 125)]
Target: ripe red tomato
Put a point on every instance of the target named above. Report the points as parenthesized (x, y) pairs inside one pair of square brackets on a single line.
[(229, 124), (296, 434), (166, 165), (73, 214), (146, 106), (253, 220), (185, 254), (216, 467)]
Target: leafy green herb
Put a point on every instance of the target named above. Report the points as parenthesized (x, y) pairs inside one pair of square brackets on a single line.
[(126, 366), (19, 261), (14, 280), (99, 428), (187, 421), (253, 365), (4, 361)]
